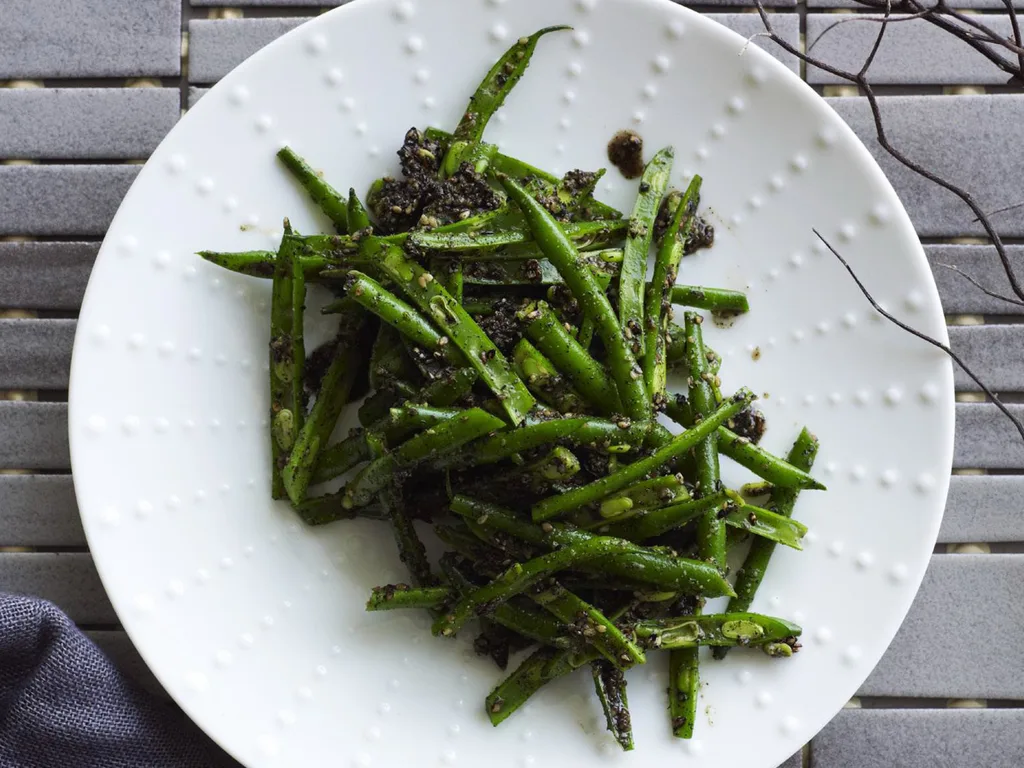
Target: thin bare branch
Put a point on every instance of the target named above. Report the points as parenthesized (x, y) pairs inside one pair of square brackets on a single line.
[(925, 337), (874, 19), (988, 292)]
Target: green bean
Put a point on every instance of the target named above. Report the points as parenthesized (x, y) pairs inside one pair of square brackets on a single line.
[(586, 374), (450, 388), (443, 438), (287, 358), (395, 597), (655, 522), (610, 686), (632, 562), (521, 618), (653, 184), (532, 434), (683, 690), (541, 378), (713, 299), (328, 508), (500, 244), (322, 193), (478, 154), (497, 84), (657, 309), (782, 501), (461, 329), (765, 465), (748, 454), (317, 429), (631, 473), (520, 577), (710, 529), (358, 218), (411, 550), (721, 629), (766, 524), (403, 317), (336, 460), (561, 252), (538, 669)]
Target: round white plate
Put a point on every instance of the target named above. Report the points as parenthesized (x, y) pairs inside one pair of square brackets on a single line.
[(255, 624)]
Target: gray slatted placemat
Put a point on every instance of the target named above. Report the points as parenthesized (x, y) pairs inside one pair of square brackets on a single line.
[(92, 86)]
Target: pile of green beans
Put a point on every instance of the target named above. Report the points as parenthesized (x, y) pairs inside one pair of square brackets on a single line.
[(514, 329)]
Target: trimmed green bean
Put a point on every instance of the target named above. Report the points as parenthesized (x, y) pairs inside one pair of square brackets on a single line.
[(631, 473), (460, 328), (715, 629), (586, 374), (580, 279), (610, 686), (713, 299), (543, 380), (321, 193), (633, 272), (395, 597)]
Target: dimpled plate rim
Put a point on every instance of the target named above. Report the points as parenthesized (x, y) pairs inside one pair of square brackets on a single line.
[(254, 624)]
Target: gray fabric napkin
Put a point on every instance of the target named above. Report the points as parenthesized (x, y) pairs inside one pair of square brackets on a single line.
[(63, 703)]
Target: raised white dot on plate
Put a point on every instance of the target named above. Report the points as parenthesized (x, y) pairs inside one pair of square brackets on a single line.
[(223, 658), (776, 183), (286, 717), (929, 393), (267, 621), (334, 76), (808, 399), (701, 153), (175, 588), (862, 397), (321, 671), (227, 563), (575, 69), (96, 424), (176, 164), (736, 219), (173, 502), (581, 38), (661, 63), (763, 699), (847, 232), (789, 726), (162, 260), (499, 32), (880, 213), (586, 5), (798, 335), (849, 320), (757, 75), (736, 105), (822, 327), (743, 677), (110, 516), (676, 29), (810, 538), (754, 203), (316, 44), (823, 635), (383, 708), (362, 760), (161, 425), (639, 116), (924, 483), (798, 163), (650, 91), (131, 425), (421, 75), (230, 204), (796, 260), (246, 640), (694, 746), (898, 573), (239, 95), (394, 684), (429, 102), (565, 123), (202, 576), (889, 478), (717, 131), (144, 603), (836, 548), (348, 104), (404, 10), (189, 424), (204, 186), (852, 655), (858, 473), (827, 136), (100, 334), (864, 560), (264, 123), (414, 44), (914, 301), (143, 509), (835, 398), (128, 245)]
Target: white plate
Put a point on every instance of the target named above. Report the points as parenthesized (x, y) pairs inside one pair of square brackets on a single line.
[(255, 624)]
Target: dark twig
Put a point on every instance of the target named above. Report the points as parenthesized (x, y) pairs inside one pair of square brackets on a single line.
[(997, 211), (988, 292), (860, 79), (924, 337), (875, 19)]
